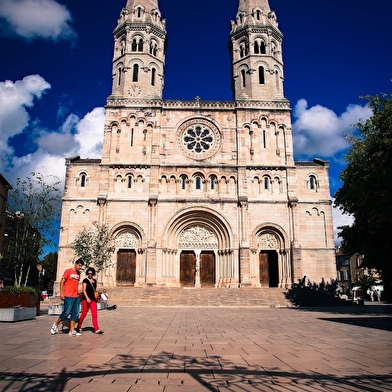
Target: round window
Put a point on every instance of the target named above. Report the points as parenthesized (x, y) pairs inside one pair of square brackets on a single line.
[(198, 138)]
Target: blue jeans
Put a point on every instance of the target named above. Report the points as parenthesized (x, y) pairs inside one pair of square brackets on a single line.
[(71, 307)]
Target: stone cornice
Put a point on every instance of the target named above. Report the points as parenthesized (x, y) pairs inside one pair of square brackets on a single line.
[(244, 30), (114, 102), (142, 27)]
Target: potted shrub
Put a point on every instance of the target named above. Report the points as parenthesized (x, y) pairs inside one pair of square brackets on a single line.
[(27, 297)]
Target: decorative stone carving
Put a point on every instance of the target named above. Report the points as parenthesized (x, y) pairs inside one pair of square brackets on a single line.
[(267, 241), (197, 237), (127, 240)]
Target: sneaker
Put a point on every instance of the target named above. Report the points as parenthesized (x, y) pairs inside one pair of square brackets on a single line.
[(54, 329), (74, 333)]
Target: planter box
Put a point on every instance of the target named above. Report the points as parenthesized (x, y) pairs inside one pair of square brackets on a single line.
[(17, 314), (24, 299)]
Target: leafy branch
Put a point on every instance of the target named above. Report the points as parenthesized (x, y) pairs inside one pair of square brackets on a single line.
[(94, 246)]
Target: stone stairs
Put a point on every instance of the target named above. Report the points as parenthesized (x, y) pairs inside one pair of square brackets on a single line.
[(199, 297)]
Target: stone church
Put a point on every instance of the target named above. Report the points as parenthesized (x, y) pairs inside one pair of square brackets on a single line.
[(201, 193)]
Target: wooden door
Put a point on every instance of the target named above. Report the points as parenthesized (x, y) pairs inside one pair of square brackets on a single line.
[(269, 270), (207, 269), (187, 269), (126, 267), (273, 268), (263, 268)]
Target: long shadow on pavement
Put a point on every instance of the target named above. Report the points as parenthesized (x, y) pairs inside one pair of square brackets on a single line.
[(123, 373)]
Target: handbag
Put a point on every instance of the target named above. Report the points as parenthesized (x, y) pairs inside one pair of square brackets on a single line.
[(97, 295)]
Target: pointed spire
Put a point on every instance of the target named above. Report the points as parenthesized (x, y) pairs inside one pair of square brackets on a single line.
[(148, 10), (256, 52), (149, 4), (248, 6), (139, 51), (255, 12)]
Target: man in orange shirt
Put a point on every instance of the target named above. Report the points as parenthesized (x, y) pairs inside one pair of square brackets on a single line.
[(69, 293)]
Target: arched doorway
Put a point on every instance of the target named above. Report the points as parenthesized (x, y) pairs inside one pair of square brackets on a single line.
[(187, 268), (126, 267), (199, 249), (126, 243), (268, 268), (273, 263), (197, 260), (207, 269)]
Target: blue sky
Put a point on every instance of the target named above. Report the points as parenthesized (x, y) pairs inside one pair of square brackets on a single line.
[(55, 72)]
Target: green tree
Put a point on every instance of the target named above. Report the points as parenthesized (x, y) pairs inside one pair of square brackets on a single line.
[(366, 282), (34, 206), (94, 246), (366, 192), (49, 269)]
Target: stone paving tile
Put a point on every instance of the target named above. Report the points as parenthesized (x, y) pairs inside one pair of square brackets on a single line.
[(202, 349)]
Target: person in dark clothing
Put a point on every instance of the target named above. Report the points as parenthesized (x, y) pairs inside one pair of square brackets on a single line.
[(89, 301)]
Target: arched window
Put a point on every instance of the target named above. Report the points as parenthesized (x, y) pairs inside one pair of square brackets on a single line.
[(212, 182), (135, 74), (139, 12), (261, 75), (242, 50), (119, 75), (312, 182), (243, 80), (264, 139), (153, 48), (153, 73), (129, 182), (122, 45), (258, 14), (266, 181), (134, 45), (140, 45), (256, 47), (131, 137), (83, 180), (183, 182), (198, 183)]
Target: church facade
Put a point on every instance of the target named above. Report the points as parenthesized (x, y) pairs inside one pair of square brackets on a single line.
[(201, 193)]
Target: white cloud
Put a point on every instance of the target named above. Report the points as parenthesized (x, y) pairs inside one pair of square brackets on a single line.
[(81, 137), (74, 137), (14, 98), (14, 118), (320, 131), (340, 219), (31, 19), (90, 134)]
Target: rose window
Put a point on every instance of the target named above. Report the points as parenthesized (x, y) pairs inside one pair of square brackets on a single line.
[(198, 139)]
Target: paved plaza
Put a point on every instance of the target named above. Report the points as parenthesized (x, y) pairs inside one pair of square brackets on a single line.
[(192, 349)]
